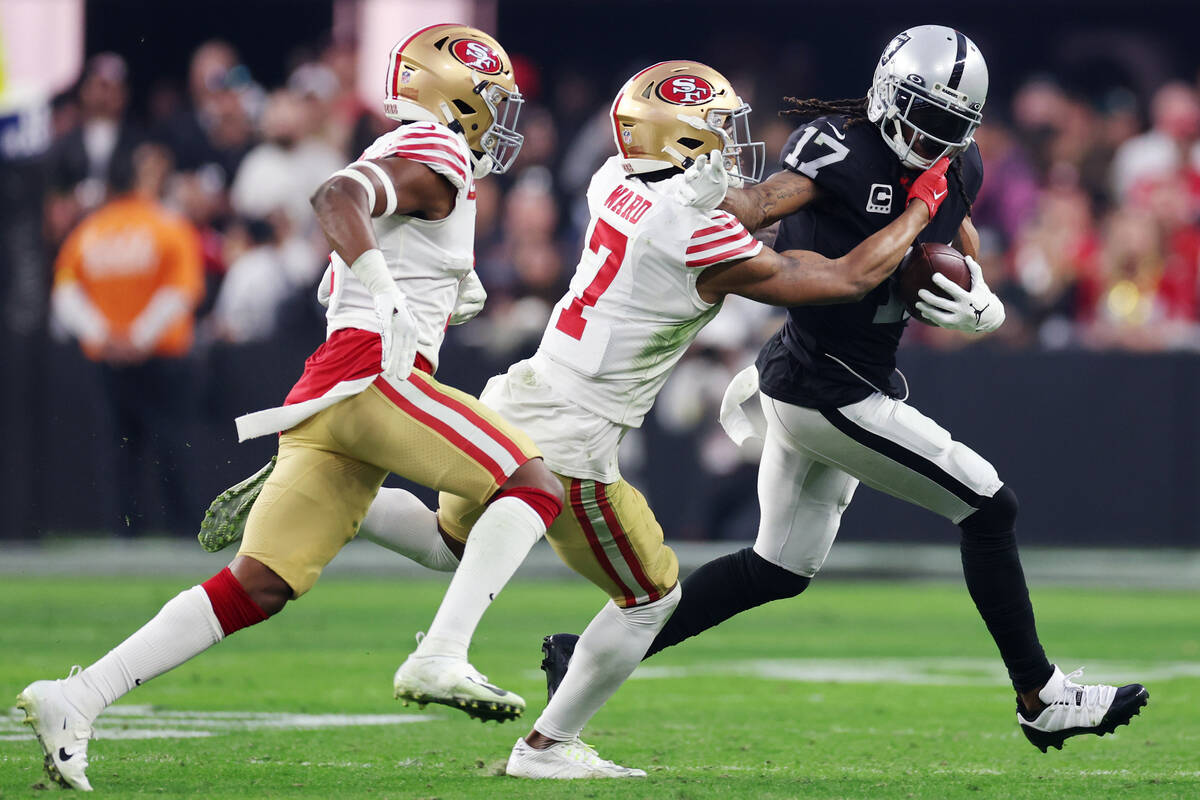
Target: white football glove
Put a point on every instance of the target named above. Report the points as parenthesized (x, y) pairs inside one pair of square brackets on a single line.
[(976, 311), (471, 297), (397, 327), (398, 331), (704, 182)]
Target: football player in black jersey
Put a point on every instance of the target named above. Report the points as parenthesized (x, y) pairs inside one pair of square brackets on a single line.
[(833, 399)]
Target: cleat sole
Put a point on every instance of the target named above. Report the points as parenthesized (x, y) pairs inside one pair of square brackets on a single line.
[(487, 712)]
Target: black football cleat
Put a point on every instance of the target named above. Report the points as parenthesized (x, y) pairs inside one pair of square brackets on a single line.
[(1073, 709), (557, 649)]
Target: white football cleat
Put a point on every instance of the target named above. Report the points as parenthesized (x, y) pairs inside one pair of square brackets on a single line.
[(454, 682), (1072, 709), (62, 730), (564, 761)]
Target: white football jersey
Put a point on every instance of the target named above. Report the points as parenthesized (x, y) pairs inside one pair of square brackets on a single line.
[(427, 259), (631, 312)]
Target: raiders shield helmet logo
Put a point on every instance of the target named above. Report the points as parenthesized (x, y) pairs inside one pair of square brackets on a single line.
[(892, 47)]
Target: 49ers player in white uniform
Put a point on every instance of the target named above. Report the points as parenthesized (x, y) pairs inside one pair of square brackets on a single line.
[(401, 225), (653, 272)]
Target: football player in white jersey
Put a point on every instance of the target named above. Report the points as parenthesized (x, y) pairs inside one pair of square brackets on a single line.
[(653, 272), (400, 222)]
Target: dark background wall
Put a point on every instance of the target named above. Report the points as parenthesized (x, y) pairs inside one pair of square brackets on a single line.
[(1101, 448)]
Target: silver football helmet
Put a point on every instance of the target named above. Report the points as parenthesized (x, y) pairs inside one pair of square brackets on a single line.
[(928, 93)]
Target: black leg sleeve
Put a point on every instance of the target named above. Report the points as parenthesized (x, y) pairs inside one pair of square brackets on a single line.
[(996, 582), (722, 588)]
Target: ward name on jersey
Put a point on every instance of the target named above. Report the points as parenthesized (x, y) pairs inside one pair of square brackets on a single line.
[(811, 361), (630, 313)]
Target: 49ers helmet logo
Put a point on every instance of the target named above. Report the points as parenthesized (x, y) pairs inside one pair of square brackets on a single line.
[(477, 55), (685, 90)]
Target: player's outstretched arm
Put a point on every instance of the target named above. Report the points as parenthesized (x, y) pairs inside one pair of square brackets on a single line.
[(800, 277), (765, 203)]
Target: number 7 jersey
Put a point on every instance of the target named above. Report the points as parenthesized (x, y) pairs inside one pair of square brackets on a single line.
[(630, 313)]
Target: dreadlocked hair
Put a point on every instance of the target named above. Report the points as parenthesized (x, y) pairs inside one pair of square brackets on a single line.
[(855, 110), (960, 184)]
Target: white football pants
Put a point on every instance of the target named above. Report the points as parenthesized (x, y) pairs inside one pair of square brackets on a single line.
[(813, 460)]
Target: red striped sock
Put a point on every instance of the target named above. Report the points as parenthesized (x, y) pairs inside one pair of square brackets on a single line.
[(544, 504), (232, 605)]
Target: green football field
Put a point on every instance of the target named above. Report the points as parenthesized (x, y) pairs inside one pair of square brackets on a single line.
[(853, 690)]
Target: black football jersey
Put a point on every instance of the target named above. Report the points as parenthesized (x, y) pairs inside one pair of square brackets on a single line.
[(830, 356)]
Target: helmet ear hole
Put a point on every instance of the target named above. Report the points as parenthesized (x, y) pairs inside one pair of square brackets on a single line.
[(689, 142), (463, 108)]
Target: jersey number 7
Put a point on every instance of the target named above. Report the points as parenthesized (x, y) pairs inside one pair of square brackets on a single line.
[(612, 241)]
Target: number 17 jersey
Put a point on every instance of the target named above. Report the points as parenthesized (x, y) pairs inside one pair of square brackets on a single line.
[(630, 313)]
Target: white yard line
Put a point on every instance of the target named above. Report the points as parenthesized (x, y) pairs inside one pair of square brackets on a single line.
[(146, 722)]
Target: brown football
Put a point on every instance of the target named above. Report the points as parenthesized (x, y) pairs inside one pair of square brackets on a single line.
[(916, 273)]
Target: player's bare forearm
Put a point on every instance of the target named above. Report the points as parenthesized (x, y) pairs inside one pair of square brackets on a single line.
[(761, 205), (876, 257), (802, 277)]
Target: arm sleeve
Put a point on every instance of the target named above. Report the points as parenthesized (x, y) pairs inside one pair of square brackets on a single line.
[(718, 238)]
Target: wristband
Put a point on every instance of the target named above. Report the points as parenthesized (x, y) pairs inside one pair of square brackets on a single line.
[(372, 270)]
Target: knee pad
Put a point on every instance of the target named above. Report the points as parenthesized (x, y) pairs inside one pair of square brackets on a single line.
[(997, 515), (771, 580)]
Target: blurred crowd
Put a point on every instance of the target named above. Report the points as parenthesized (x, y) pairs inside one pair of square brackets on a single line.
[(1089, 214), (1089, 217)]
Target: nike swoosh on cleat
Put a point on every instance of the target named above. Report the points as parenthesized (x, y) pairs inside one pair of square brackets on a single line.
[(63, 755), (493, 689)]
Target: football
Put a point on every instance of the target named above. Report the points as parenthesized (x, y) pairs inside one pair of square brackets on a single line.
[(916, 273)]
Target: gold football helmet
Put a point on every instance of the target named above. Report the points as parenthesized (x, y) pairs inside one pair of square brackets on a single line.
[(672, 113), (461, 77)]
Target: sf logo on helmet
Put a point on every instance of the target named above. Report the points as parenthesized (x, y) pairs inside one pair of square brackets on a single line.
[(686, 90), (477, 55)]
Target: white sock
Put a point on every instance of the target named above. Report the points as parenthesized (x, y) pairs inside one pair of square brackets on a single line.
[(399, 521), (610, 648), (497, 545), (186, 626)]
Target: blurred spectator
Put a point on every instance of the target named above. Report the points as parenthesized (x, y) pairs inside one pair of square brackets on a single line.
[(282, 172), (1148, 301), (1172, 142), (1056, 266), (215, 132), (79, 161), (263, 274), (126, 283)]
